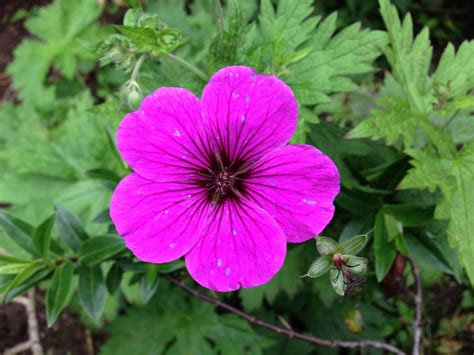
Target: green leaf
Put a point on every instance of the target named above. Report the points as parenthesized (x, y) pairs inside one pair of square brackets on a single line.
[(106, 177), (461, 226), (92, 291), (24, 275), (58, 292), (56, 26), (287, 280), (353, 245), (149, 283), (19, 231), (12, 268), (70, 228), (175, 323), (325, 245), (100, 248), (385, 251), (6, 259), (114, 278), (31, 282), (320, 266), (42, 236)]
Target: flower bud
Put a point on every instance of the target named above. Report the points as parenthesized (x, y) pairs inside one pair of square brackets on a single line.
[(131, 94)]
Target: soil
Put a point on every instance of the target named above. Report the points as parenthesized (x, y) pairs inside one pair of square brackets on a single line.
[(67, 336)]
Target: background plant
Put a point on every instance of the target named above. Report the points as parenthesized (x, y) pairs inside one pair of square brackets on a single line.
[(413, 181)]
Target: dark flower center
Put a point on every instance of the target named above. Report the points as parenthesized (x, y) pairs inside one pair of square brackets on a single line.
[(223, 179)]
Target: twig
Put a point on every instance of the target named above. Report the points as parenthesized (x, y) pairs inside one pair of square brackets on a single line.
[(288, 332), (33, 342), (418, 305)]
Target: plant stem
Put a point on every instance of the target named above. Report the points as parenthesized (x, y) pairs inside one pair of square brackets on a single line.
[(220, 16), (136, 68), (284, 331), (450, 120), (189, 66), (418, 305)]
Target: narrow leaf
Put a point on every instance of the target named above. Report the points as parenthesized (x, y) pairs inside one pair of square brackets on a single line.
[(70, 228), (58, 292), (114, 278), (92, 291), (19, 231), (24, 275), (99, 248), (42, 236), (385, 252)]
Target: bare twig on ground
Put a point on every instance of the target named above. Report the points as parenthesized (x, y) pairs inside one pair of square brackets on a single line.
[(284, 331), (33, 342), (418, 305)]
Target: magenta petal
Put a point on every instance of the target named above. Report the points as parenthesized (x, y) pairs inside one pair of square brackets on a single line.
[(242, 247), (161, 141), (248, 113), (296, 185), (160, 221)]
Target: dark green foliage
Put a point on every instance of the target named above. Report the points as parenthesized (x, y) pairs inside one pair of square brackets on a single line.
[(412, 180)]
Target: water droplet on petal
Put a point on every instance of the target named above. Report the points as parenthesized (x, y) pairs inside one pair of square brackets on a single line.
[(166, 211), (309, 202), (172, 245), (247, 98), (219, 262), (242, 118), (227, 271), (177, 133), (234, 232), (235, 95)]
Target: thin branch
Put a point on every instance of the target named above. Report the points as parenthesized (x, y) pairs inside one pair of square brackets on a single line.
[(418, 305), (288, 332)]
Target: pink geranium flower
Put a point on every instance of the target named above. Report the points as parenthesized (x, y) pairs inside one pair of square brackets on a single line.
[(216, 181)]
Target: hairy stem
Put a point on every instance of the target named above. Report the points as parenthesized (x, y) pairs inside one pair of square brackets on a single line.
[(136, 68), (289, 332), (220, 16), (198, 72)]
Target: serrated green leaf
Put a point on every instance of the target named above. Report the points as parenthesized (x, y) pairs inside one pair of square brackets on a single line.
[(100, 248), (92, 291), (58, 292), (42, 236), (57, 26), (70, 228)]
